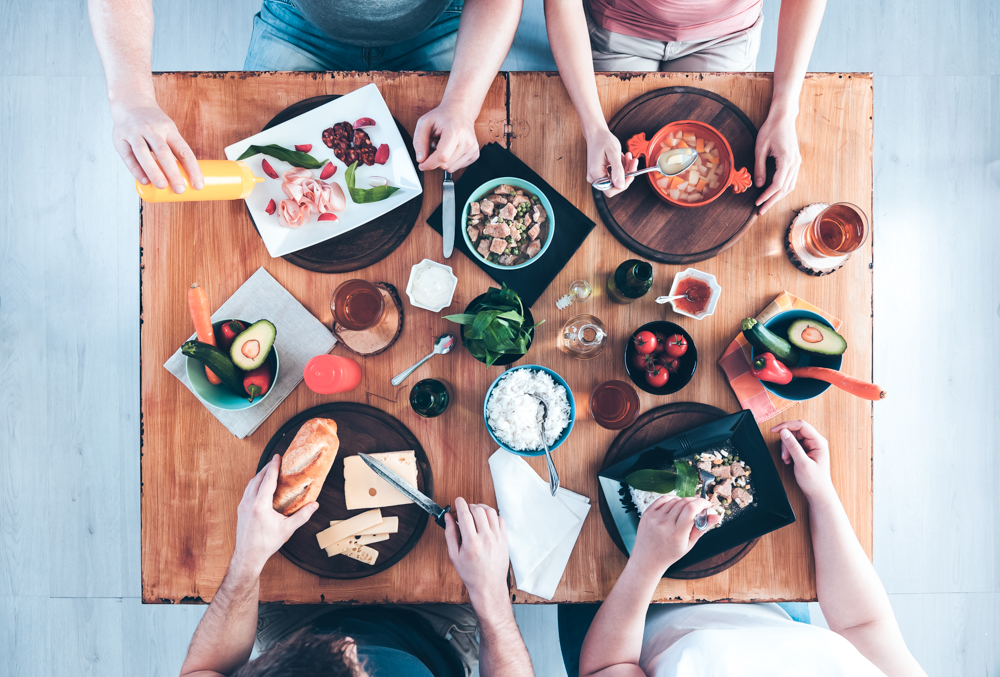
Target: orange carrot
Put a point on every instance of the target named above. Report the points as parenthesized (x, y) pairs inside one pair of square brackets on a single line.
[(201, 315), (854, 386)]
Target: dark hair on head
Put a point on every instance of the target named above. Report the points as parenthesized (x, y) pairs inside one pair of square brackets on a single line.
[(305, 654)]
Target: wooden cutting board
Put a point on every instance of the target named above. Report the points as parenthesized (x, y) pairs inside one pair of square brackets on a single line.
[(367, 244), (653, 426), (361, 428), (657, 230)]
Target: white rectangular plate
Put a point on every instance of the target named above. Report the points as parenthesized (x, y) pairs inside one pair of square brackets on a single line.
[(308, 128)]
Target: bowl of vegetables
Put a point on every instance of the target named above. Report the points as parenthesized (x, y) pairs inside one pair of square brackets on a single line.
[(661, 358), (244, 361), (825, 350), (496, 327), (507, 223)]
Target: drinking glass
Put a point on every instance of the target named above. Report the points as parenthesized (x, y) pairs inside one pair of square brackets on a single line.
[(837, 231), (614, 405), (357, 305)]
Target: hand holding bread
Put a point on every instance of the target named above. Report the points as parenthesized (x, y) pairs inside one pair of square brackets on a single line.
[(306, 464)]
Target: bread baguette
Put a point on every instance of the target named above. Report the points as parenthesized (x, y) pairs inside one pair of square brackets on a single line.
[(306, 464)]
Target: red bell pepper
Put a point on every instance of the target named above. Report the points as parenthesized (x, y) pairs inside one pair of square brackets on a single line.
[(230, 330), (257, 382), (767, 367)]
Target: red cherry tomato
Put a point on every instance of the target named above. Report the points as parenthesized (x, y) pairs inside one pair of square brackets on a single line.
[(677, 345), (658, 377), (641, 362), (672, 364), (644, 342), (661, 341)]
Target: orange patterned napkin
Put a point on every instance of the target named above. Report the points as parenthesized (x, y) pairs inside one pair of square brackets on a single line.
[(736, 361)]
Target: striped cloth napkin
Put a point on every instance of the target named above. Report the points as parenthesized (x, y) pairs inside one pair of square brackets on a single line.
[(736, 361)]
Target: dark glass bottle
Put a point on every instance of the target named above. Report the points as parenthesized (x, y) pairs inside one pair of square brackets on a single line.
[(429, 398), (630, 281)]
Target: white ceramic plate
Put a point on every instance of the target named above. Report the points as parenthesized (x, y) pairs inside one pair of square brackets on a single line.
[(308, 128)]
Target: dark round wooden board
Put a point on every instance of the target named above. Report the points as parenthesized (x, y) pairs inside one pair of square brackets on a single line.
[(361, 428), (367, 244), (657, 230), (653, 426)]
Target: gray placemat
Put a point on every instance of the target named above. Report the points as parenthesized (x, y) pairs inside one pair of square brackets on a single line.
[(300, 337)]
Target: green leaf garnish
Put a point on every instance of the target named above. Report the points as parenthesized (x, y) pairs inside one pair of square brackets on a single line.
[(364, 195), (683, 478), (293, 157)]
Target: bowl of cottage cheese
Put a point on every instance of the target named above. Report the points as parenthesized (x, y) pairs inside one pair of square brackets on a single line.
[(512, 414)]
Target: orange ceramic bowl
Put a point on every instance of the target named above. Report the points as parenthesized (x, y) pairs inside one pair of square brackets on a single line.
[(639, 147)]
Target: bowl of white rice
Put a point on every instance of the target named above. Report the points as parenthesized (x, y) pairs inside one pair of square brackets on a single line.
[(511, 413)]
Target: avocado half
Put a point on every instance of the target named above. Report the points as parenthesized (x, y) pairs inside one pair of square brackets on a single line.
[(816, 337), (251, 347)]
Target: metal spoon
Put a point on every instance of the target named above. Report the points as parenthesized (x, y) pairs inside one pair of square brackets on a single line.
[(663, 166), (442, 346), (667, 299), (701, 521), (553, 475)]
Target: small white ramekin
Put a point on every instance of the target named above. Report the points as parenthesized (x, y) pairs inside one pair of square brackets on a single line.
[(427, 263), (706, 277)]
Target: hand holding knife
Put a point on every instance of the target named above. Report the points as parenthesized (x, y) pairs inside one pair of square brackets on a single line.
[(404, 487)]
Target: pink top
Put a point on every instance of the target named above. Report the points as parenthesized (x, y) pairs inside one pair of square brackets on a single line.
[(675, 20)]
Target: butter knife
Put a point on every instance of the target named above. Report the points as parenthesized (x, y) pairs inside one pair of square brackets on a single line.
[(448, 215), (404, 487)]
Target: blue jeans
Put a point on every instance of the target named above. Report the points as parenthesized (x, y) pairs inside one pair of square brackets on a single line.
[(283, 40)]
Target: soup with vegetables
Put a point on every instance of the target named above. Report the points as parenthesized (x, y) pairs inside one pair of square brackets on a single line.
[(507, 225), (703, 179)]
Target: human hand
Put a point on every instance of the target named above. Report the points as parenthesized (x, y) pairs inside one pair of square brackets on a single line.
[(605, 158), (457, 145), (777, 138), (150, 145), (482, 556), (667, 532), (811, 463), (260, 530)]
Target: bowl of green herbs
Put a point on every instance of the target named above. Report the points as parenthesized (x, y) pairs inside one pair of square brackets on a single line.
[(496, 327)]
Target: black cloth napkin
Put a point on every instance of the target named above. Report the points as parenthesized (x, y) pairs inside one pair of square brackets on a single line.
[(572, 225)]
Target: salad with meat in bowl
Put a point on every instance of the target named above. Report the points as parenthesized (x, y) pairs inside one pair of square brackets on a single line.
[(507, 225)]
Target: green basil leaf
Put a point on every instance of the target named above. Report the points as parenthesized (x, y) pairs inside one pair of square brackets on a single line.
[(293, 157), (659, 481), (365, 195), (687, 479), (461, 318)]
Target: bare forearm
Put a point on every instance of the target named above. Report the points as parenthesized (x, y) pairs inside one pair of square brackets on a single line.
[(486, 32), (614, 639), (123, 31), (501, 649), (850, 592), (224, 638), (798, 25), (569, 38)]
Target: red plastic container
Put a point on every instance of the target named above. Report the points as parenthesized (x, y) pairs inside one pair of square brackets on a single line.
[(328, 374)]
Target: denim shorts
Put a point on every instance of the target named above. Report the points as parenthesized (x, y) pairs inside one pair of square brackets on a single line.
[(284, 40)]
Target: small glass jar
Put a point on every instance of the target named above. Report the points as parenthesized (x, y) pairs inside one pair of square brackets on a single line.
[(583, 337)]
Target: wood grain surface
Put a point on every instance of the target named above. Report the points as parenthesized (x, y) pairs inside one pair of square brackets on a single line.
[(653, 426), (194, 471), (646, 223), (361, 429)]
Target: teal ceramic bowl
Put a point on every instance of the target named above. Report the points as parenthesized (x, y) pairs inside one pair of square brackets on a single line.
[(572, 411), (220, 396), (800, 389), (487, 188)]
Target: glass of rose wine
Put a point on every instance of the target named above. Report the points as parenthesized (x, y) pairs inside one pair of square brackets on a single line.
[(837, 231)]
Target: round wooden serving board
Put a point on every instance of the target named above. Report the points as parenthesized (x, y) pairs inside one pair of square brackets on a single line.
[(657, 230), (653, 426), (361, 429), (367, 244)]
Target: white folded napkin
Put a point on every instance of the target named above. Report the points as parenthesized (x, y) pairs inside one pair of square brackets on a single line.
[(300, 337), (541, 529)]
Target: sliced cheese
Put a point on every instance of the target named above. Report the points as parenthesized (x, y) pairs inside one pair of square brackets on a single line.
[(348, 528), (389, 525), (353, 542), (364, 489), (362, 553)]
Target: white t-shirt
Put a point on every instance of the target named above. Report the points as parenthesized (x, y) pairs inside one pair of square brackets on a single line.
[(709, 640)]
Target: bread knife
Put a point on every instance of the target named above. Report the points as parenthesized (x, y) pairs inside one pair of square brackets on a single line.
[(404, 487), (448, 215)]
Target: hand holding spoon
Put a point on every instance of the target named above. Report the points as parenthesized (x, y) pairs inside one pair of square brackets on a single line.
[(670, 163)]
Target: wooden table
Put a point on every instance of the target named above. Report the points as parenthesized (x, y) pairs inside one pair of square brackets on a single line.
[(194, 470)]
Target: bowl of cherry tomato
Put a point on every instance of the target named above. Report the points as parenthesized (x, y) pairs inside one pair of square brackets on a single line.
[(660, 357)]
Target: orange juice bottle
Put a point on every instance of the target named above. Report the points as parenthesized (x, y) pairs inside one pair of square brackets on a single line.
[(224, 180)]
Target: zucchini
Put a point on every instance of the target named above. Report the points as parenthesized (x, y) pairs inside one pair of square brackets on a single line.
[(218, 362), (766, 341)]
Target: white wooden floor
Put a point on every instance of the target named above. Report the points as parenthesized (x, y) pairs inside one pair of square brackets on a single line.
[(69, 350)]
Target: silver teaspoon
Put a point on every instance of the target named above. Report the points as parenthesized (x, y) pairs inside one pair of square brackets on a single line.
[(442, 346)]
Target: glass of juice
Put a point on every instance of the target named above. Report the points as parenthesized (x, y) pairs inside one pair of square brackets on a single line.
[(836, 231), (357, 305), (614, 405)]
